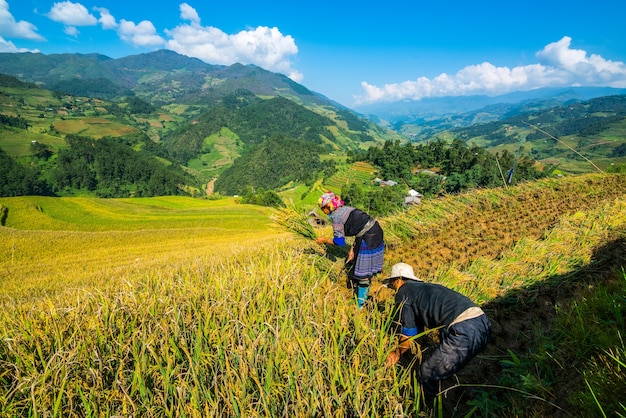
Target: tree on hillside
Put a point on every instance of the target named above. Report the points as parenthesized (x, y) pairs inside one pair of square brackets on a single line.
[(378, 201), (272, 164), (394, 160), (10, 81), (101, 88), (262, 197), (619, 151), (18, 180), (14, 121), (110, 167), (40, 150), (139, 106), (455, 166)]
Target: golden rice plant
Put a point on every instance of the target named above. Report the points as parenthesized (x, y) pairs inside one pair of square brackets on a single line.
[(567, 245), (294, 220), (208, 325), (260, 334)]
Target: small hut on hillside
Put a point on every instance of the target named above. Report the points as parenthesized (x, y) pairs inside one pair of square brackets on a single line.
[(413, 198), (316, 220)]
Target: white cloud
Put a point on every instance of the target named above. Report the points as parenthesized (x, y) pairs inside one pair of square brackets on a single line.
[(558, 65), (573, 66), (8, 46), (9, 27), (266, 47), (142, 34), (71, 31), (71, 14), (106, 18), (189, 13)]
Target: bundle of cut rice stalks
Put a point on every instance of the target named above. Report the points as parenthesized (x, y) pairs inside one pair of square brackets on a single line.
[(295, 221)]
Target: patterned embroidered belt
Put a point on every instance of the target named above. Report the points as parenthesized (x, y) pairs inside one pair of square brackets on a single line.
[(366, 228)]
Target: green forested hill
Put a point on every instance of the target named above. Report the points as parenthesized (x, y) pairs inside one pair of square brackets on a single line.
[(162, 77), (275, 162), (10, 81), (580, 118), (189, 123), (563, 135), (135, 145), (253, 120)]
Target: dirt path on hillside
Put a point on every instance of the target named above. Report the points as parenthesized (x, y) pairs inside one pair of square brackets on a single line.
[(210, 187)]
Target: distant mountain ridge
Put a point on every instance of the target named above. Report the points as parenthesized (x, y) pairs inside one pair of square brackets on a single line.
[(162, 76), (423, 119), (222, 122), (436, 107)]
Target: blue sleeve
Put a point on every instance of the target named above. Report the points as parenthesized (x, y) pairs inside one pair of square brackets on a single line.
[(341, 241), (409, 332), (411, 326)]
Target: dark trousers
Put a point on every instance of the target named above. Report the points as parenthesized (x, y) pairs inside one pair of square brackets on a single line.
[(459, 344)]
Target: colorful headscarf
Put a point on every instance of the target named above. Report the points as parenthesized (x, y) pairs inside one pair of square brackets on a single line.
[(331, 200)]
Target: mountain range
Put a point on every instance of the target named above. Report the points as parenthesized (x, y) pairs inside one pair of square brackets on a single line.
[(161, 77), (231, 122), (436, 107), (201, 117), (165, 76)]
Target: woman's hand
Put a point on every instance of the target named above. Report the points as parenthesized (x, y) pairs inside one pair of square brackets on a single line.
[(350, 256), (322, 240), (393, 358)]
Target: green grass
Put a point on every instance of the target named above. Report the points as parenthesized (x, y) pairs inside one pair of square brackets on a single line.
[(295, 194), (92, 127), (225, 148), (360, 173), (17, 143), (577, 361), (306, 196)]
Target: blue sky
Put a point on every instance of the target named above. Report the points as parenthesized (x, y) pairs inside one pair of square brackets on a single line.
[(353, 52)]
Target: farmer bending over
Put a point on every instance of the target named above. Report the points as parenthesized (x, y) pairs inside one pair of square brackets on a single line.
[(365, 257), (465, 329)]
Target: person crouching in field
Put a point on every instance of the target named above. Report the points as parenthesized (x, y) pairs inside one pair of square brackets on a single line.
[(365, 257), (464, 328)]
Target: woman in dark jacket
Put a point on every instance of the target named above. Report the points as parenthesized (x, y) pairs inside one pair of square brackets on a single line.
[(367, 253), (464, 328)]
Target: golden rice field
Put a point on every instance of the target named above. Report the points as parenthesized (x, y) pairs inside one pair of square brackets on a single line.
[(186, 307), (66, 242), (457, 230), (93, 127)]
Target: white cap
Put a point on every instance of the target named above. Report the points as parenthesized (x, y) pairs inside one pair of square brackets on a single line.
[(403, 270)]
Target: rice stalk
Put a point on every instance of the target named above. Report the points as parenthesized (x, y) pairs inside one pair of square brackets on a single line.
[(294, 221)]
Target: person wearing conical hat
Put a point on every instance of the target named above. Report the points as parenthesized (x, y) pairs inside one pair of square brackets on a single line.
[(365, 257), (464, 328)]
